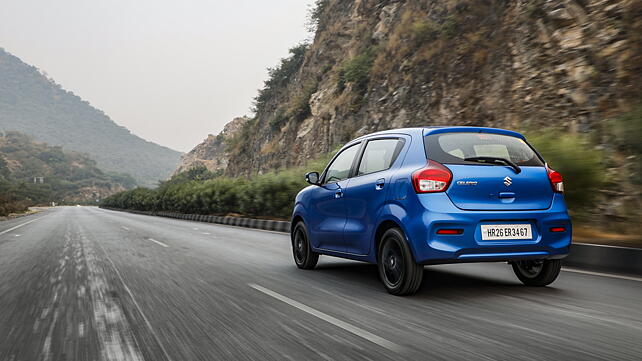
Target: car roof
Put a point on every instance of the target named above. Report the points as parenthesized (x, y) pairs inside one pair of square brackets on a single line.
[(444, 129)]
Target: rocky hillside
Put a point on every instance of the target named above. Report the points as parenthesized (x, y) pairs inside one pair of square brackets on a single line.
[(33, 104), (35, 173), (384, 64), (212, 153)]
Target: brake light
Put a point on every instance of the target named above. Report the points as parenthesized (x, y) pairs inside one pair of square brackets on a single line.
[(433, 178), (556, 180), (558, 229)]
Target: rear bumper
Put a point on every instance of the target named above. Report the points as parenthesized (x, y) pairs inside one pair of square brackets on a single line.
[(439, 212)]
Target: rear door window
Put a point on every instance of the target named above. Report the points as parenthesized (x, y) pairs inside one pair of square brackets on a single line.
[(454, 148), (379, 155)]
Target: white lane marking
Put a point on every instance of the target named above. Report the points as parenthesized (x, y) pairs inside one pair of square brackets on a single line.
[(610, 275), (207, 233), (157, 242), (125, 228), (140, 310), (325, 317), (604, 245), (18, 226)]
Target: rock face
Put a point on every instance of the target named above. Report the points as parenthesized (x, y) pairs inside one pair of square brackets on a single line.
[(211, 153), (376, 65)]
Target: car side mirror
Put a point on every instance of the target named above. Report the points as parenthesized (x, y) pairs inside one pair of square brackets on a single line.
[(312, 178)]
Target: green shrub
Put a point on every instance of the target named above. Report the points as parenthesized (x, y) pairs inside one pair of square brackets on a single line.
[(428, 30), (242, 137), (449, 27), (315, 15), (534, 9), (628, 131), (278, 120), (628, 137), (9, 205), (357, 70), (580, 164), (299, 108), (280, 75), (423, 31)]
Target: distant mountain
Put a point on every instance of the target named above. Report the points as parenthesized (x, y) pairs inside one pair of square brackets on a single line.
[(34, 173), (34, 104)]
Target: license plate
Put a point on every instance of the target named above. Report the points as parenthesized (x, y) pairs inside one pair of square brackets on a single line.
[(492, 232)]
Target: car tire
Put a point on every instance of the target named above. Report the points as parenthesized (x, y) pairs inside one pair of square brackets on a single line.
[(537, 273), (398, 271), (304, 257)]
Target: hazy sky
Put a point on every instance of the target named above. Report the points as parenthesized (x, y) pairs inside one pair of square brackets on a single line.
[(170, 71)]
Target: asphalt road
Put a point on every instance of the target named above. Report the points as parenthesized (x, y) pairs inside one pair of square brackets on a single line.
[(81, 283)]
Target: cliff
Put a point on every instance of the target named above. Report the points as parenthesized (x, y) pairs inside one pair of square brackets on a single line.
[(383, 64), (211, 153)]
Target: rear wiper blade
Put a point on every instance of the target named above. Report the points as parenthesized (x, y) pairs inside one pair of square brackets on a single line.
[(495, 160)]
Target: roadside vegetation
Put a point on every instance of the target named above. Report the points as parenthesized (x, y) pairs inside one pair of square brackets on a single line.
[(200, 191), (579, 162), (583, 163), (598, 167)]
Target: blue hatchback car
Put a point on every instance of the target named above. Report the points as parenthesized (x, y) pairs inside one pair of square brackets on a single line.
[(406, 198)]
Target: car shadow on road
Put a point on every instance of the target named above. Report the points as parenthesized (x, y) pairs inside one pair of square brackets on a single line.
[(437, 281)]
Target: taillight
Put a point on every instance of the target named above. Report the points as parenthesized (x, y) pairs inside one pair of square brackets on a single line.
[(556, 180), (433, 178), (558, 229)]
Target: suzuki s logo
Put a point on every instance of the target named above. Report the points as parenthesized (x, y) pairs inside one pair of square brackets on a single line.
[(508, 181)]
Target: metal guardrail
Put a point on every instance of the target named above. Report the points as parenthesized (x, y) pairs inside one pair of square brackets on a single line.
[(605, 258), (265, 224), (585, 256)]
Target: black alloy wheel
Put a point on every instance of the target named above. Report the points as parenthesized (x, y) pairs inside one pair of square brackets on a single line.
[(399, 272), (537, 272), (304, 257)]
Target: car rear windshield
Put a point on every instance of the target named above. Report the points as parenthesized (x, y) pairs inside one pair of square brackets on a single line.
[(454, 148)]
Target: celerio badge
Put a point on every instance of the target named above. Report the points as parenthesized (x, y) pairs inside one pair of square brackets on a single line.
[(466, 183), (508, 181)]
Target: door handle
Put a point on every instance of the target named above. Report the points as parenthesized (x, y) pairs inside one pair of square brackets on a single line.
[(338, 194), (379, 184), (506, 195)]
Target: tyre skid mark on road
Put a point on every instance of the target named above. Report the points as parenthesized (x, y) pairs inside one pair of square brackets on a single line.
[(116, 339), (56, 281), (46, 347), (136, 305)]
